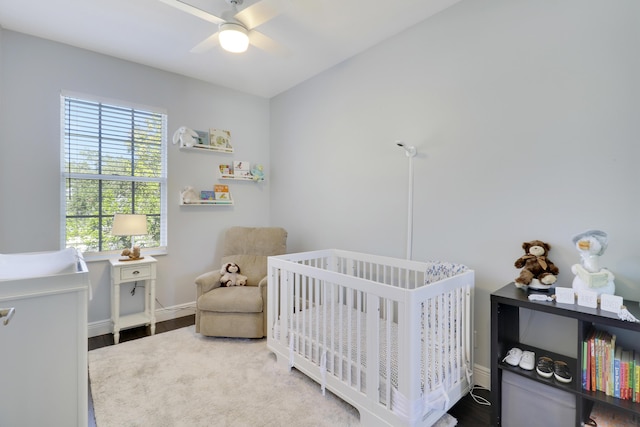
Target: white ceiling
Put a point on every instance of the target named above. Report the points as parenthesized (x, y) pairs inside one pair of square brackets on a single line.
[(316, 35)]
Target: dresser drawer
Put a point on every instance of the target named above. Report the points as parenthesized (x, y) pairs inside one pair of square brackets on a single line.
[(135, 272)]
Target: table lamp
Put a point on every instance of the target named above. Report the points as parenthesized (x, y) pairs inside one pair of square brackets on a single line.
[(130, 225)]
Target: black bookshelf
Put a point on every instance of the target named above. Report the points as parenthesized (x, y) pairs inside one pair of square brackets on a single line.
[(505, 334)]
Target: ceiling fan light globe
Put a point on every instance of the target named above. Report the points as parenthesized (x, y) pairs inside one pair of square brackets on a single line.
[(233, 37)]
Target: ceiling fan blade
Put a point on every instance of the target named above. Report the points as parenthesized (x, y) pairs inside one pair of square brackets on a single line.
[(206, 44), (185, 7), (267, 44), (261, 12)]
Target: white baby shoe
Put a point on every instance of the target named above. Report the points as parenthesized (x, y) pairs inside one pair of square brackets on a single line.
[(513, 357), (527, 362)]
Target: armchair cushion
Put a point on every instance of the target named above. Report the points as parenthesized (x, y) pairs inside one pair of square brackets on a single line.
[(237, 299)]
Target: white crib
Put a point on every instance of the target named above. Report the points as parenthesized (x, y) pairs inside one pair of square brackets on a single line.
[(391, 337)]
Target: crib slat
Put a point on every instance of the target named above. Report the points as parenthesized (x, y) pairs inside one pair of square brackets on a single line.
[(388, 376), (373, 345)]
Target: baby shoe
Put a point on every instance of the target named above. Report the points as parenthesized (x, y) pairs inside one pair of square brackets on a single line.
[(527, 361), (561, 371), (544, 368), (513, 356)]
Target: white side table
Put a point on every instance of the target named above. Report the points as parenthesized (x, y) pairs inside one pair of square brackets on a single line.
[(133, 271)]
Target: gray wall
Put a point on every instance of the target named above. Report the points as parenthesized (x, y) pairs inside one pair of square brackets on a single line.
[(33, 73), (525, 116)]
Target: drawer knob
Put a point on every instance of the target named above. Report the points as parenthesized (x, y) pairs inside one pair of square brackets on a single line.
[(136, 272)]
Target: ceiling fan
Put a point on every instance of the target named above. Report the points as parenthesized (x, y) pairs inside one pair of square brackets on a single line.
[(236, 29)]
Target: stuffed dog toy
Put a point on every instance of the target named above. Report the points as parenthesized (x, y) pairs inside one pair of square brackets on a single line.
[(230, 275)]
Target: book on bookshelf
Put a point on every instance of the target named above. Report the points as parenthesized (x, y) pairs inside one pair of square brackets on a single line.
[(610, 368), (207, 195), (242, 169), (220, 139), (225, 170), (221, 193), (625, 368), (616, 375), (636, 376), (585, 365)]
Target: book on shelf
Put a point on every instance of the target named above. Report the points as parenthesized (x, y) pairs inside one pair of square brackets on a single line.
[(242, 169), (616, 375), (626, 367), (610, 368), (221, 193), (610, 364), (636, 376), (220, 139), (207, 195), (225, 170)]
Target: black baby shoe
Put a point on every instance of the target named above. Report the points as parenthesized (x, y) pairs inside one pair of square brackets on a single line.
[(544, 368), (561, 371)]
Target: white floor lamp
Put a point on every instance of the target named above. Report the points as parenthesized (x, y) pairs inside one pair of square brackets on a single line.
[(410, 152)]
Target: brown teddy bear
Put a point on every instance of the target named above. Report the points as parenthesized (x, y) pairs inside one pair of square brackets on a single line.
[(133, 253), (535, 266)]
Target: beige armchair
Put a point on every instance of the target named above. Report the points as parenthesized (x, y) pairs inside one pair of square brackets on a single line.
[(239, 311)]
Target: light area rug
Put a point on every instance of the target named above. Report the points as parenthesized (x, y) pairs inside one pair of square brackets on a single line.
[(180, 378)]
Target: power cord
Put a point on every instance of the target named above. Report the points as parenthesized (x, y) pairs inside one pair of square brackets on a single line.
[(479, 399), (177, 309), (135, 285)]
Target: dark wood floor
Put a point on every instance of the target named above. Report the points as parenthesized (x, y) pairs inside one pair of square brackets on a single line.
[(467, 411)]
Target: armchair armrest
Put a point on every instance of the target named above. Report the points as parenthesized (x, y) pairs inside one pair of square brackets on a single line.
[(207, 281), (263, 282), (263, 290)]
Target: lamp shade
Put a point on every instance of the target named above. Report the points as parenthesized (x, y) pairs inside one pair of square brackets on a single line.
[(129, 225), (233, 37)]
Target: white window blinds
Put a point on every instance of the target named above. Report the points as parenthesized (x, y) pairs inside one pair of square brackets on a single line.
[(114, 161)]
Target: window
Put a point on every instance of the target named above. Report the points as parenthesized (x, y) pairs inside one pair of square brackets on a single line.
[(114, 161)]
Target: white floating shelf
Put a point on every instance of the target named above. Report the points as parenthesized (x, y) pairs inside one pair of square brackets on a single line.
[(209, 202), (240, 178), (199, 147)]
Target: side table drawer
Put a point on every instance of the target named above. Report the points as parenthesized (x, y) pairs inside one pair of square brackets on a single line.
[(135, 272)]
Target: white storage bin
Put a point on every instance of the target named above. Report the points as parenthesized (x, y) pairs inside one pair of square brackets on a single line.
[(529, 403)]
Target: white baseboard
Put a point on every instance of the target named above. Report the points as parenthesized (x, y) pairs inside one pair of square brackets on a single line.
[(103, 327), (482, 376)]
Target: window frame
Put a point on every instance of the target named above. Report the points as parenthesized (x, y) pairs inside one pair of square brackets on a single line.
[(161, 180)]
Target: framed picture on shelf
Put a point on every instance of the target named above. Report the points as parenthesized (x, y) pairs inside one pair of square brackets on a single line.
[(203, 137), (220, 139)]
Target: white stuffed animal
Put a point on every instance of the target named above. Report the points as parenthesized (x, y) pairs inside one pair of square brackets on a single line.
[(231, 276), (189, 195), (185, 136), (589, 276)]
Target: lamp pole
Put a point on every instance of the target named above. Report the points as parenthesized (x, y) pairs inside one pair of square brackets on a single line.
[(410, 151)]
